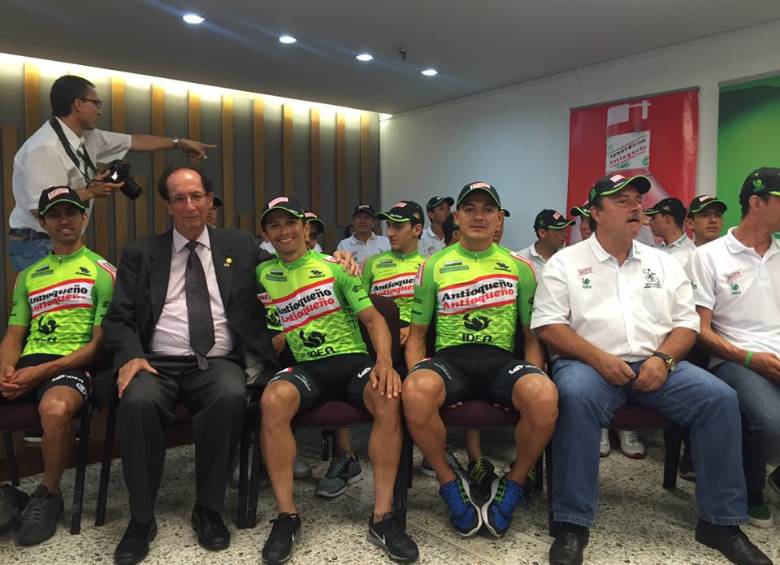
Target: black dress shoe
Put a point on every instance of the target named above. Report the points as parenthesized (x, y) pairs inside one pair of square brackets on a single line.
[(135, 543), (732, 543), (210, 529), (569, 544)]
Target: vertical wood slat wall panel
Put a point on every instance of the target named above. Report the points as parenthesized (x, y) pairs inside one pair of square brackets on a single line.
[(228, 162), (288, 185), (32, 99), (258, 153), (142, 209), (314, 160), (366, 185), (158, 157), (193, 119), (118, 124), (9, 138), (342, 213)]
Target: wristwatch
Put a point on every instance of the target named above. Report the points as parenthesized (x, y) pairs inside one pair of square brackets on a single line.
[(176, 141), (668, 359)]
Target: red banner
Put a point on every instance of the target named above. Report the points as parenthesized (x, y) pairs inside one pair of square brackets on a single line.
[(656, 136)]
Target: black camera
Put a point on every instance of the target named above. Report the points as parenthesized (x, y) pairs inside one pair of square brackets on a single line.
[(119, 171)]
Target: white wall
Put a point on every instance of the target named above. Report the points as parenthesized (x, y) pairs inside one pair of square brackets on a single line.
[(517, 138)]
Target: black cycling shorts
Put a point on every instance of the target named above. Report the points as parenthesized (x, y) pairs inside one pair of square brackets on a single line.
[(341, 377), (478, 372), (78, 379)]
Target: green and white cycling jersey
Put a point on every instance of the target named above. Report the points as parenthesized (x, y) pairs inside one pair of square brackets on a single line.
[(475, 297), (392, 275), (60, 299), (316, 303)]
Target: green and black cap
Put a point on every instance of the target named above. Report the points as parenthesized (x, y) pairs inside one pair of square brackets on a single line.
[(436, 200), (57, 195), (479, 186), (607, 186), (669, 206), (705, 201), (581, 211), (289, 205), (313, 218), (551, 220), (765, 180), (404, 211)]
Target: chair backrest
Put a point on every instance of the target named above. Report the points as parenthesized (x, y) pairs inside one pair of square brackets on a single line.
[(389, 311)]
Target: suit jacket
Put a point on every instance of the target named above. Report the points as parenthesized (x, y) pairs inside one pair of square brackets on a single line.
[(142, 283)]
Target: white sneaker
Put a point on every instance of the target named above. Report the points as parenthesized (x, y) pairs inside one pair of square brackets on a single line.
[(630, 444), (604, 448)]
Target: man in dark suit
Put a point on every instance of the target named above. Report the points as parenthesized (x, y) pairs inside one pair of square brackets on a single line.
[(184, 313)]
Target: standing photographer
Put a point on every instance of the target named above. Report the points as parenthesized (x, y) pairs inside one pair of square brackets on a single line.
[(64, 152)]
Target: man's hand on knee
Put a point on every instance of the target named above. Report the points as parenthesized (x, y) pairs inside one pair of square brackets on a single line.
[(129, 370)]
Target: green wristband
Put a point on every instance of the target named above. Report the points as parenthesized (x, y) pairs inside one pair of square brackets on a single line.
[(748, 359)]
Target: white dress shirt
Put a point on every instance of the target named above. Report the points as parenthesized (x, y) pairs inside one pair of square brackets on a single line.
[(626, 310), (172, 333), (42, 162), (362, 250), (681, 249), (742, 289), (534, 257), (430, 243)]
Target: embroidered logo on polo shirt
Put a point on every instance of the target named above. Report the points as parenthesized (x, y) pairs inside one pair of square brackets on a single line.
[(735, 291), (651, 279), (586, 283)]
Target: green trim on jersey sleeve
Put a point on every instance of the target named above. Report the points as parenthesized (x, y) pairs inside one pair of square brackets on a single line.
[(425, 289), (351, 288), (21, 314), (526, 288), (103, 291), (271, 315), (367, 274)]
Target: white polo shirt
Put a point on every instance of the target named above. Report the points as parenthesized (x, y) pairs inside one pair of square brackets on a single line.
[(42, 162), (430, 242), (362, 250), (626, 310), (534, 257), (681, 249), (742, 289)]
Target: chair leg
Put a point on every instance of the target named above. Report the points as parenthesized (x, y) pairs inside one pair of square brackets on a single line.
[(105, 467), (549, 475), (672, 445), (328, 444), (254, 478), (11, 454), (403, 479), (81, 469), (243, 476)]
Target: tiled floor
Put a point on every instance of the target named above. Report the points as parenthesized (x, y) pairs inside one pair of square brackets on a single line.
[(639, 522)]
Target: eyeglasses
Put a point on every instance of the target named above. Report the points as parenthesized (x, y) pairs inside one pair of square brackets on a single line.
[(181, 199), (96, 101)]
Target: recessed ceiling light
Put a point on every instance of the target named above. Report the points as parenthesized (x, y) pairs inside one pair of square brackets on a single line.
[(287, 39), (365, 57), (430, 72), (192, 19)]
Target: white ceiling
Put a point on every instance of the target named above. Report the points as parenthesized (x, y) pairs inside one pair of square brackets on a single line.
[(476, 45)]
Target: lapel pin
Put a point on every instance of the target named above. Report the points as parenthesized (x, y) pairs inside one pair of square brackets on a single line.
[(228, 262)]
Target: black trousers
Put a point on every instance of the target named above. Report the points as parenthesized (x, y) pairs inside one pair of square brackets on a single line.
[(217, 399)]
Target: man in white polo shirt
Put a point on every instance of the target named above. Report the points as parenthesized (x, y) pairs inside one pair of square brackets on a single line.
[(364, 243), (618, 316), (705, 218), (737, 294), (583, 212), (432, 239), (551, 229), (667, 219)]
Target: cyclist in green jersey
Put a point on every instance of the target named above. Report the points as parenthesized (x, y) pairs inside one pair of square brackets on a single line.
[(479, 295), (53, 336), (318, 305)]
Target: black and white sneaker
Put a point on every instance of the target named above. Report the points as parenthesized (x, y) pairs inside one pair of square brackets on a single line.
[(389, 535), (285, 532)]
